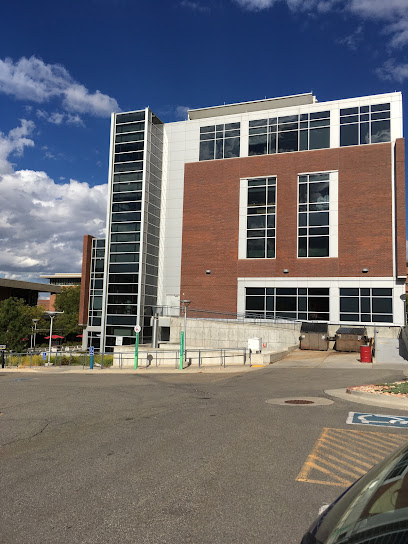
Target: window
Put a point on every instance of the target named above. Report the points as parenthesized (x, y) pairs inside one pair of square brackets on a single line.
[(289, 133), (366, 305), (261, 217), (219, 141), (365, 125), (130, 117), (313, 213), (306, 304)]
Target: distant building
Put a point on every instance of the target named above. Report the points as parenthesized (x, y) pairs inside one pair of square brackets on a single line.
[(63, 280), (27, 290)]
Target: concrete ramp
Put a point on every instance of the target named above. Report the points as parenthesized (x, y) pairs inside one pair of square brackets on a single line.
[(388, 350)]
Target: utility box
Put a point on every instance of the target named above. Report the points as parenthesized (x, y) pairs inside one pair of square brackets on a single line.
[(314, 336), (255, 345), (350, 338)]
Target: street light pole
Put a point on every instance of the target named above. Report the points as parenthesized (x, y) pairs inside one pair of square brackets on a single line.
[(35, 321), (52, 315)]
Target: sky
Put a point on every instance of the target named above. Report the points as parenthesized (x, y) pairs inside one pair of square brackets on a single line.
[(66, 65)]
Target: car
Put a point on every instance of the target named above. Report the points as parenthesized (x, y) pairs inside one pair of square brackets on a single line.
[(374, 510)]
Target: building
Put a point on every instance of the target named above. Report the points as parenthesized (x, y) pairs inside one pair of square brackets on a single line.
[(27, 290), (62, 279), (283, 207)]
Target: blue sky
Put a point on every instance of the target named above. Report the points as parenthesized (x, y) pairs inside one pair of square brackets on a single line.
[(64, 66)]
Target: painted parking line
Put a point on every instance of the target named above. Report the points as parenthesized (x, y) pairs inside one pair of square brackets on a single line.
[(379, 420), (341, 456)]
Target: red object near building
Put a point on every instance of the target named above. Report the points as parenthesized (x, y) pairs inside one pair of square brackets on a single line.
[(365, 354)]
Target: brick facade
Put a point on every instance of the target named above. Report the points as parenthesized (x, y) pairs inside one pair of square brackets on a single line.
[(211, 220)]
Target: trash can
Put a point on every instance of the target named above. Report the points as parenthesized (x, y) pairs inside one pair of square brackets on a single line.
[(350, 338), (314, 336), (365, 354)]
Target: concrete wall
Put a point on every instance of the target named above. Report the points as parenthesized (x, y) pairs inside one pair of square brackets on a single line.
[(204, 333), (403, 343)]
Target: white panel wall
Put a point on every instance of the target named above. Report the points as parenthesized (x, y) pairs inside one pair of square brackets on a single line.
[(334, 284)]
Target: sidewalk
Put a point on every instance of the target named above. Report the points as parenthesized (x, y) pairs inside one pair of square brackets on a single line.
[(141, 370), (334, 360)]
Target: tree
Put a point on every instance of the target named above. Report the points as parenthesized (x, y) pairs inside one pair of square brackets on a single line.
[(16, 322), (68, 302)]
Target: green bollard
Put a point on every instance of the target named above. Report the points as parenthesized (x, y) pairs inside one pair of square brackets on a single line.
[(136, 351), (181, 350)]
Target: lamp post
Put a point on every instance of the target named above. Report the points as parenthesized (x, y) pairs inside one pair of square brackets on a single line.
[(52, 315), (35, 321), (184, 305)]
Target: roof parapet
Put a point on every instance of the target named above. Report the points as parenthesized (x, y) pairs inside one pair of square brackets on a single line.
[(254, 105)]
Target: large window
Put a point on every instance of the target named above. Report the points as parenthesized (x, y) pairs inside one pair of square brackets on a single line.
[(289, 133), (219, 141), (307, 304), (261, 217), (366, 305), (314, 203), (365, 125)]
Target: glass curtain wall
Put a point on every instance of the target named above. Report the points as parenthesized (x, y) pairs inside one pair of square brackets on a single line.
[(96, 291), (133, 230)]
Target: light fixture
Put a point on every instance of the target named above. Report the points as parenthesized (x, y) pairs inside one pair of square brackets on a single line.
[(286, 271), (208, 271), (365, 270)]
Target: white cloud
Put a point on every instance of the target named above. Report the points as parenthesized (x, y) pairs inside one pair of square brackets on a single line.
[(57, 118), (378, 9), (353, 40), (42, 222), (256, 5), (34, 80), (391, 14), (181, 112), (14, 143), (195, 6), (74, 120), (393, 71)]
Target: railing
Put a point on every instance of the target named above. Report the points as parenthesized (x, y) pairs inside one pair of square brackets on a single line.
[(146, 359), (227, 317), (171, 358)]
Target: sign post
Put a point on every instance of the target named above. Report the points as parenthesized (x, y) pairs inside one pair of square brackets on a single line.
[(137, 331), (91, 357), (181, 350)]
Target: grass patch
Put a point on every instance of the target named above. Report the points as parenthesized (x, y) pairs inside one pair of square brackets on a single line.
[(60, 359)]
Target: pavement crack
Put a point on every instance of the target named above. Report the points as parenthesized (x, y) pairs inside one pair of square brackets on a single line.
[(27, 437)]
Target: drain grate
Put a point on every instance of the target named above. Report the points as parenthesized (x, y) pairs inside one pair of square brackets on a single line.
[(299, 401)]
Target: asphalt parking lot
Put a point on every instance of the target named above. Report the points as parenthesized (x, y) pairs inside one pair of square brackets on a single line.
[(188, 458)]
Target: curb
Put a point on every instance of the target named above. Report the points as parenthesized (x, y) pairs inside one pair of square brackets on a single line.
[(394, 399), (371, 399), (128, 371)]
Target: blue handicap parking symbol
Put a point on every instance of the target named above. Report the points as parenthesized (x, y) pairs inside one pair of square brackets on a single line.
[(44, 355), (360, 418), (91, 350)]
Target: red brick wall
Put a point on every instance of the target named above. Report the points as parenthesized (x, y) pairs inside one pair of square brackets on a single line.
[(400, 206), (85, 279), (211, 219), (44, 304)]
